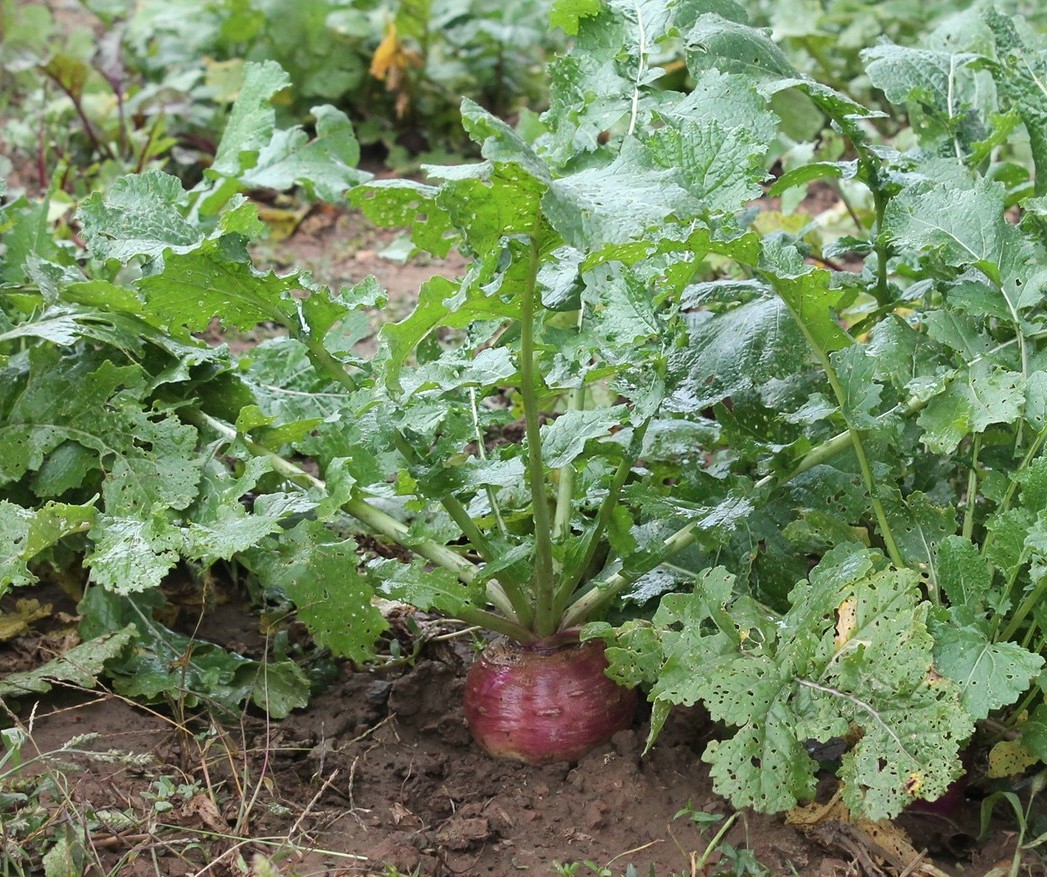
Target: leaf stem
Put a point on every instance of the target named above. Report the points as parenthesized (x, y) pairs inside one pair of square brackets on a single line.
[(641, 64), (387, 526), (972, 490), (453, 506), (565, 484), (602, 593), (599, 596), (1026, 606), (543, 586), (880, 199), (821, 351), (570, 581), (481, 452), (877, 506), (322, 358)]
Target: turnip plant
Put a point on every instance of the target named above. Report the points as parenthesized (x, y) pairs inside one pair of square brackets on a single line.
[(657, 428)]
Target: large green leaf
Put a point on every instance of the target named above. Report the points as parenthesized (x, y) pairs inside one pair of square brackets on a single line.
[(853, 652), (150, 459), (320, 573), (80, 667), (989, 674), (738, 349)]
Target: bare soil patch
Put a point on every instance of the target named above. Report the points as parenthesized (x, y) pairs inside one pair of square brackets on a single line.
[(379, 773)]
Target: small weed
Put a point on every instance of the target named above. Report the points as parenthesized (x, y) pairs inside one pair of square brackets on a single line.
[(721, 859), (573, 869), (166, 794), (1023, 816)]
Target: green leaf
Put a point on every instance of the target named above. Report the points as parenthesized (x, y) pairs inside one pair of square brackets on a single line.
[(852, 656), (500, 201), (944, 90), (962, 574), (278, 688), (438, 305), (407, 204), (727, 103), (716, 42), (139, 215), (212, 280), (990, 674), (1009, 530), (1034, 733), (946, 420), (812, 303), (919, 526), (765, 759), (325, 166), (500, 144), (857, 373), (25, 533), (252, 119), (564, 439), (80, 666), (221, 526), (565, 14), (320, 573), (736, 350), (1021, 77), (28, 239), (717, 166), (614, 203), (429, 589), (149, 458), (962, 224), (164, 665), (130, 555), (989, 396)]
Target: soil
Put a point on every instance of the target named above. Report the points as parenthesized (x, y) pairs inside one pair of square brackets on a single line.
[(379, 773)]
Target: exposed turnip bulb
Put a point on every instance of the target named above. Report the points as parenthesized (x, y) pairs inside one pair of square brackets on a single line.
[(544, 703)]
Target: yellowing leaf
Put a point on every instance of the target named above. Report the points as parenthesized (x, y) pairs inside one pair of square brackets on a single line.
[(846, 621), (1009, 758), (385, 56), (389, 64), (282, 222), (17, 623), (882, 839)]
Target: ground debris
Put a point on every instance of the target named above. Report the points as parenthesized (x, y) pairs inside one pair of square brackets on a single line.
[(878, 849)]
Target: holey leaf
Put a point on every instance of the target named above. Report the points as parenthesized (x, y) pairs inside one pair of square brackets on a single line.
[(875, 672), (990, 675), (320, 573), (852, 658), (24, 533), (989, 395)]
